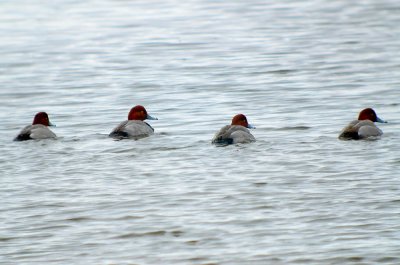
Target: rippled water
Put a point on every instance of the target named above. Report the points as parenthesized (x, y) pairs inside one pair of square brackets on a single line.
[(300, 71)]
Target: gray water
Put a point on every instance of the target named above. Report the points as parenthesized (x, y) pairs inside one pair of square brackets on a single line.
[(300, 71)]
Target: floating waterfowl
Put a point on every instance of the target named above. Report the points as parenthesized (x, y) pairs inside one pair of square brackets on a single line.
[(235, 133), (38, 130), (363, 127), (134, 127)]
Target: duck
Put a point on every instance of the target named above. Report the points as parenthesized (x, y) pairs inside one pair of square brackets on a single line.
[(38, 130), (363, 127), (236, 132), (134, 127)]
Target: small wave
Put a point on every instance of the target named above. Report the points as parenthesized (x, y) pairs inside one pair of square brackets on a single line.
[(151, 233), (78, 219), (6, 239), (293, 128)]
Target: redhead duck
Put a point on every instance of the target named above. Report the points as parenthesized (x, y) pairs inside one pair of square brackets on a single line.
[(235, 133), (38, 130), (134, 127), (363, 127)]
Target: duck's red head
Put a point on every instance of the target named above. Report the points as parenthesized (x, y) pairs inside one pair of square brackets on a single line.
[(240, 119), (369, 114), (139, 113), (41, 118)]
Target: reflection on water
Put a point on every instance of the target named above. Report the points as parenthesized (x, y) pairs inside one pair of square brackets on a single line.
[(298, 71)]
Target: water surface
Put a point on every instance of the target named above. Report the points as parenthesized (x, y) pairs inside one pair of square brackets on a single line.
[(300, 71)]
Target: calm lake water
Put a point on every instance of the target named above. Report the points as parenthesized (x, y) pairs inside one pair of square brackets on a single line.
[(300, 71)]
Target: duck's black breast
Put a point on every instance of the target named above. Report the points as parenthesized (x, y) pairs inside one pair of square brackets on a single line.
[(222, 141), (349, 136), (23, 137), (118, 134)]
